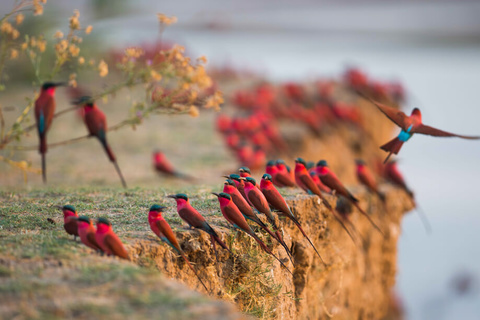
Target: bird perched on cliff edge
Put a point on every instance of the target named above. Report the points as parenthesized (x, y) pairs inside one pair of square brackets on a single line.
[(233, 215), (96, 123), (410, 125), (330, 180), (44, 112), (365, 176), (194, 219), (276, 200), (163, 230), (108, 240)]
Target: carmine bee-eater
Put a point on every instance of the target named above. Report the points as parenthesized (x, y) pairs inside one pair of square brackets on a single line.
[(284, 174), (69, 220), (162, 165), (279, 178), (194, 219), (276, 200), (365, 176), (86, 231), (305, 182), (318, 182), (96, 123), (44, 111), (330, 180), (394, 176), (257, 200), (235, 217), (162, 229), (239, 183), (245, 208), (108, 240), (410, 125), (244, 172)]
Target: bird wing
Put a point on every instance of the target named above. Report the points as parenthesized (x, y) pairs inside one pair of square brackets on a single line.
[(431, 131), (192, 217), (308, 182), (113, 243), (333, 183), (166, 230), (284, 178), (397, 116), (44, 111), (258, 201), (276, 200), (91, 239), (96, 123), (236, 218)]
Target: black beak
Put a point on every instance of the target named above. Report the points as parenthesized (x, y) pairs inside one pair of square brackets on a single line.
[(172, 196), (216, 194), (228, 177), (59, 207)]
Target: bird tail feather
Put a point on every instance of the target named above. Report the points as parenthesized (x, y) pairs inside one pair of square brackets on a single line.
[(392, 147)]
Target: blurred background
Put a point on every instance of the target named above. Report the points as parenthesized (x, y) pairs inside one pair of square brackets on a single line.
[(431, 47)]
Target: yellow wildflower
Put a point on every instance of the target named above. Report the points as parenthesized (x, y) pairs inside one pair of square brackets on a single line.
[(193, 95), (74, 23), (74, 50), (155, 75), (103, 68), (41, 45), (81, 60), (193, 111), (88, 30), (37, 8), (61, 46), (58, 34), (134, 52), (15, 34), (13, 54), (214, 101), (24, 46), (201, 78), (19, 19), (72, 80), (6, 27), (164, 19), (202, 59)]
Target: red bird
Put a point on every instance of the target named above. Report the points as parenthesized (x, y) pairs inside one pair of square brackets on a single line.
[(257, 200), (318, 182), (244, 172), (163, 230), (194, 219), (393, 175), (365, 176), (285, 175), (44, 112), (276, 200), (330, 180), (108, 240), (239, 183), (162, 165), (69, 220), (280, 179), (235, 217), (410, 125), (245, 208), (86, 231), (96, 123)]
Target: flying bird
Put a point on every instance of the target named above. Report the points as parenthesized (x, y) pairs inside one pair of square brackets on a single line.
[(194, 219), (233, 215), (108, 240), (410, 125), (276, 200), (162, 229), (44, 112), (329, 179), (86, 231)]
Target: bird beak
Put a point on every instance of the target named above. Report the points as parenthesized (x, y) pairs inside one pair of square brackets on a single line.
[(59, 207), (216, 194), (172, 196), (228, 177), (243, 178)]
